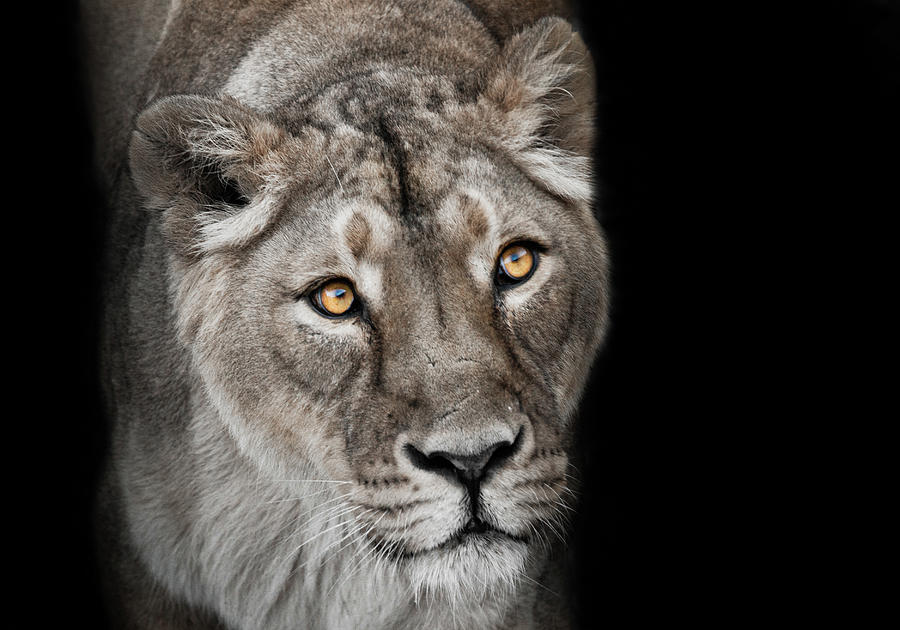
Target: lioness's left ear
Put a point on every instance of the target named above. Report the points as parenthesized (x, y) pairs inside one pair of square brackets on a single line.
[(543, 84)]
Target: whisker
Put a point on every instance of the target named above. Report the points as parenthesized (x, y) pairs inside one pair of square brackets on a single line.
[(382, 557), (332, 512), (329, 513), (544, 542), (310, 481), (547, 521), (533, 581), (572, 492), (559, 501), (358, 566), (325, 531), (335, 174), (305, 496), (353, 531), (300, 516)]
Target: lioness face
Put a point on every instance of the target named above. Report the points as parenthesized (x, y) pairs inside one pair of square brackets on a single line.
[(397, 306)]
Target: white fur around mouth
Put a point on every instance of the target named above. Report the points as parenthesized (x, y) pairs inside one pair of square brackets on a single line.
[(470, 565)]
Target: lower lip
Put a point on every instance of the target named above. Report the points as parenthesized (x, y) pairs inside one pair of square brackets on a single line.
[(488, 536)]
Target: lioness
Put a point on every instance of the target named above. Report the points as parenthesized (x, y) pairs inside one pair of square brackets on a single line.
[(356, 286)]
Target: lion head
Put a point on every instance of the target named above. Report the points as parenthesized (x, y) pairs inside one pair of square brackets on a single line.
[(392, 290)]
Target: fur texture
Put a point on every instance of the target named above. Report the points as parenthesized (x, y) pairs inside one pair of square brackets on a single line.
[(274, 468)]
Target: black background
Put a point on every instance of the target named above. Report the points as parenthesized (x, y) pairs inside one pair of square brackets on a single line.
[(732, 142)]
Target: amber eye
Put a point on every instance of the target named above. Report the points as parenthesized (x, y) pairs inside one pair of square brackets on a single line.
[(516, 264), (334, 298)]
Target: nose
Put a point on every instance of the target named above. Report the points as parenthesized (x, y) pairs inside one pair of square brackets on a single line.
[(469, 468)]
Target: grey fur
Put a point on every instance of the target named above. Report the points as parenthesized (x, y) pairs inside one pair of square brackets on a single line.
[(260, 474)]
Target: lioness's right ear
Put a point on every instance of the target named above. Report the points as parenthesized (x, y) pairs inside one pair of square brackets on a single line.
[(211, 165)]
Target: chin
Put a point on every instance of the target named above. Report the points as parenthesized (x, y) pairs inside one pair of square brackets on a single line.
[(469, 566)]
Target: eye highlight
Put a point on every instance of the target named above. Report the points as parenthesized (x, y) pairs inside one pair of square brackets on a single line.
[(515, 264), (335, 298)]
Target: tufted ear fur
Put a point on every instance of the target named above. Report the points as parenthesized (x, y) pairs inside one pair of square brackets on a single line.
[(212, 166), (543, 84)]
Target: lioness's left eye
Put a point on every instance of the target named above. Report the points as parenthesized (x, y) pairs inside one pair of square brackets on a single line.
[(334, 298), (516, 264)]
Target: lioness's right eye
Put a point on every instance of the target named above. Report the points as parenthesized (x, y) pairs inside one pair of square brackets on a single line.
[(335, 298)]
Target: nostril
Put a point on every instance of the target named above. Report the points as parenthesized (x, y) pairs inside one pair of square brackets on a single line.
[(432, 462)]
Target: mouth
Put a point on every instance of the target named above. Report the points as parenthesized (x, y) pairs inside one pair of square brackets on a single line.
[(476, 534)]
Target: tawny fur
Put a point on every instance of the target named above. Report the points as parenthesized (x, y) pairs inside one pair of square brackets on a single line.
[(259, 474)]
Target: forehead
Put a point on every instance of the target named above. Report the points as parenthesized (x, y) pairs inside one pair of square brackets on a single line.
[(442, 194), (392, 165)]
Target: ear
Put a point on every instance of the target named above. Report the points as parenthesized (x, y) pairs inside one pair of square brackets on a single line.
[(211, 166), (543, 84)]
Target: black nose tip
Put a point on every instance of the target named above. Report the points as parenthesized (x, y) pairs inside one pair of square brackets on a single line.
[(469, 469)]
